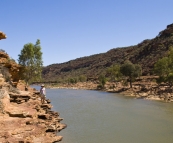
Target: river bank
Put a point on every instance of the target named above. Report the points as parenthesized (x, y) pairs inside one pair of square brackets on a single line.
[(23, 118), (144, 90), (101, 117)]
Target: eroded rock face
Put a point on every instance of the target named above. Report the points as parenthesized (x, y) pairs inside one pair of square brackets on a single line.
[(24, 119), (9, 65), (2, 35)]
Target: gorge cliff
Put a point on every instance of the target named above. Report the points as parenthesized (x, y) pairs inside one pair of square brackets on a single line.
[(145, 53)]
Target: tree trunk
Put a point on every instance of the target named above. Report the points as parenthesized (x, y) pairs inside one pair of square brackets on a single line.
[(130, 83)]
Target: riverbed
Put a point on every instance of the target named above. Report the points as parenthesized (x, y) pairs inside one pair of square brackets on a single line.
[(101, 117)]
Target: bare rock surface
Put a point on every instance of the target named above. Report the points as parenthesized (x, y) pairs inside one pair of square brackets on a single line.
[(2, 35), (23, 119)]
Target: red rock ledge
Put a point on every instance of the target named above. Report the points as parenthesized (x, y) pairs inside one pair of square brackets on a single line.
[(23, 119)]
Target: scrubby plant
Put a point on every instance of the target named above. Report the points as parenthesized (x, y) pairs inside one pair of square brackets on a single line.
[(72, 80), (5, 72), (114, 73), (102, 80), (164, 69), (82, 78), (131, 71)]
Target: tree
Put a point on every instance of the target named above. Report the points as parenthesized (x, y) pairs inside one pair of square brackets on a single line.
[(82, 78), (131, 71), (31, 62), (114, 72), (72, 80), (161, 69), (164, 69), (102, 80)]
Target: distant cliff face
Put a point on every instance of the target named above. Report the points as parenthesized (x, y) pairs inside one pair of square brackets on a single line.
[(145, 53)]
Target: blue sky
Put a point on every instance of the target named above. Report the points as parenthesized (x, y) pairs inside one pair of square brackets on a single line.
[(70, 29)]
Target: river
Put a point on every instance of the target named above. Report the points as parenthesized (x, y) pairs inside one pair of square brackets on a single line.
[(101, 117)]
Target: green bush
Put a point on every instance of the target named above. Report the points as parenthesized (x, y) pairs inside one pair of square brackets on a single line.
[(102, 80), (82, 78), (72, 80)]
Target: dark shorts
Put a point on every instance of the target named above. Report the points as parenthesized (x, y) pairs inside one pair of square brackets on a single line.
[(43, 96)]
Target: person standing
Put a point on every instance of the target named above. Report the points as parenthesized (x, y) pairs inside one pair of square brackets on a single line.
[(43, 93)]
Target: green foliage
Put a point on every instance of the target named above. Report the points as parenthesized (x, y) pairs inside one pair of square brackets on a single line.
[(82, 78), (161, 67), (102, 80), (131, 71), (125, 83), (146, 53), (72, 80), (5, 72), (164, 69), (114, 72), (30, 59)]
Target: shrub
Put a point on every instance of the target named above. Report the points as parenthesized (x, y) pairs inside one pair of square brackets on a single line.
[(82, 78), (5, 72)]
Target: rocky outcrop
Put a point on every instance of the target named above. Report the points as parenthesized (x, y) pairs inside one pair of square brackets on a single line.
[(24, 119), (145, 90), (2, 35), (9, 66)]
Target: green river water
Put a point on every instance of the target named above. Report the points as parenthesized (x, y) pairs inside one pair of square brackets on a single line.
[(101, 117)]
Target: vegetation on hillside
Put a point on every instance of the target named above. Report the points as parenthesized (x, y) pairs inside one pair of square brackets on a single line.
[(131, 71), (164, 69), (145, 54)]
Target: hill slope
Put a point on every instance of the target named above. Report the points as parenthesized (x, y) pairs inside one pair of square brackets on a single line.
[(145, 53)]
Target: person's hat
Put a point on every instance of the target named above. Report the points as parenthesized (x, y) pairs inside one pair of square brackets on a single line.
[(42, 85)]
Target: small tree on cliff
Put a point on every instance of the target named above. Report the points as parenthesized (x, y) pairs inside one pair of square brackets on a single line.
[(31, 62), (131, 71)]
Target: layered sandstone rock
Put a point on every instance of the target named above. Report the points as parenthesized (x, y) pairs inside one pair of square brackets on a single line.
[(2, 35), (11, 66), (24, 119)]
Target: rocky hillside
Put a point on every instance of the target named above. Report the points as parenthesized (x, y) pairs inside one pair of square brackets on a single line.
[(145, 53)]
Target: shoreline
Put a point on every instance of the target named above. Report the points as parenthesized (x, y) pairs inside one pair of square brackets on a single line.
[(148, 92)]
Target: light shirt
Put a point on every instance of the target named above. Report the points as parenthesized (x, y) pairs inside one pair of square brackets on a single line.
[(43, 91)]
